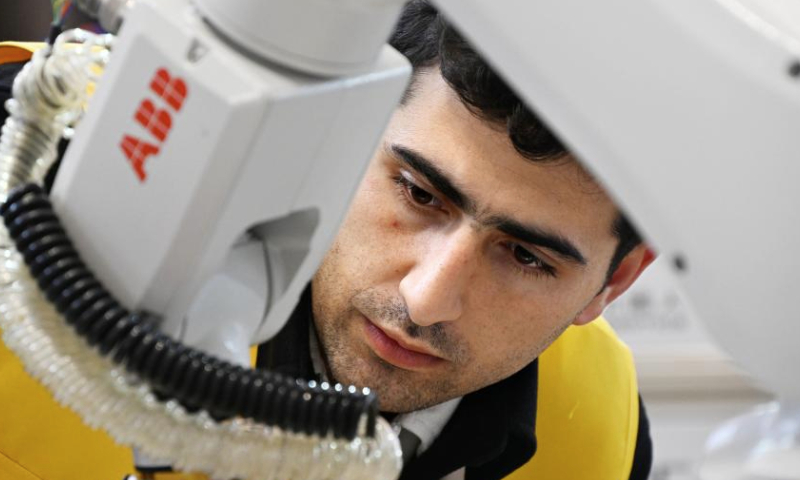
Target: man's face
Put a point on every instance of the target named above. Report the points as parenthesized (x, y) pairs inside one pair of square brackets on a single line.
[(459, 261)]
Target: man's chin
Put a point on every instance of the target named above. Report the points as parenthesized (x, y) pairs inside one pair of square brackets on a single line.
[(389, 404), (399, 394)]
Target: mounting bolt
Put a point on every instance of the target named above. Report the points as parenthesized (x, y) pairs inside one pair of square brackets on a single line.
[(794, 69), (680, 263), (196, 51)]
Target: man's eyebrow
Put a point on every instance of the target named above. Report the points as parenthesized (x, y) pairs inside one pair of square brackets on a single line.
[(434, 176), (556, 243), (536, 236)]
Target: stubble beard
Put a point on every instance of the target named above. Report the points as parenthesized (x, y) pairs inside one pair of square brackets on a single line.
[(349, 360)]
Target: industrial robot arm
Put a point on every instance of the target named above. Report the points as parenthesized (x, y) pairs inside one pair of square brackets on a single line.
[(685, 110)]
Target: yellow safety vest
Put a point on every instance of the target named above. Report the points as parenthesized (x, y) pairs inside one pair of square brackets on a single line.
[(586, 421), (587, 416)]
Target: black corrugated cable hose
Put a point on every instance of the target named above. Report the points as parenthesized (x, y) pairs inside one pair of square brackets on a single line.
[(132, 339)]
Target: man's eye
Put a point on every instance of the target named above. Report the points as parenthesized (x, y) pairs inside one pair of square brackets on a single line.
[(416, 195), (419, 195), (529, 263), (525, 257)]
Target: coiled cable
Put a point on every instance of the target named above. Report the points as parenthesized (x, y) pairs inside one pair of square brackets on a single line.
[(196, 379), (47, 96)]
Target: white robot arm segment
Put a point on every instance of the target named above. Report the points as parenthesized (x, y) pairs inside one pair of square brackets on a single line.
[(688, 112), (224, 143)]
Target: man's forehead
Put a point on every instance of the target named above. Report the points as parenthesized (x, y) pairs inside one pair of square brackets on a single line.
[(435, 112)]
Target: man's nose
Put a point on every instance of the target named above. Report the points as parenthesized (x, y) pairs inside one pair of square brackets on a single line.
[(434, 289)]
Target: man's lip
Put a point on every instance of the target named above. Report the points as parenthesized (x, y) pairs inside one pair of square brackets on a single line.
[(398, 354), (404, 343)]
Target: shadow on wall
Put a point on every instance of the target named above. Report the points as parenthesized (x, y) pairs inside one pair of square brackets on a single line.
[(27, 20)]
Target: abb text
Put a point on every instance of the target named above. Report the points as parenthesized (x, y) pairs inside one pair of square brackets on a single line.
[(156, 116)]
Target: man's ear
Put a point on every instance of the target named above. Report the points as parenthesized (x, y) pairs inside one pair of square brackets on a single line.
[(623, 277)]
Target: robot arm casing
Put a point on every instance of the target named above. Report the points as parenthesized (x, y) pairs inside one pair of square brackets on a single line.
[(688, 113), (241, 144)]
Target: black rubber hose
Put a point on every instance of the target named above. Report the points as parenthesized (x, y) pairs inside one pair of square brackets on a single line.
[(132, 339)]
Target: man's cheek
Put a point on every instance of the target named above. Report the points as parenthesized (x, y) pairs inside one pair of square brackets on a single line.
[(368, 219)]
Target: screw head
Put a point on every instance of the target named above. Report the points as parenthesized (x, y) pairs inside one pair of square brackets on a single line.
[(679, 261), (794, 69)]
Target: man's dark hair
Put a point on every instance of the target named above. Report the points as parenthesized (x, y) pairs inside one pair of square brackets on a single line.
[(429, 41)]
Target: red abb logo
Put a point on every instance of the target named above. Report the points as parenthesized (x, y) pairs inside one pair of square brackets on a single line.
[(171, 90)]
